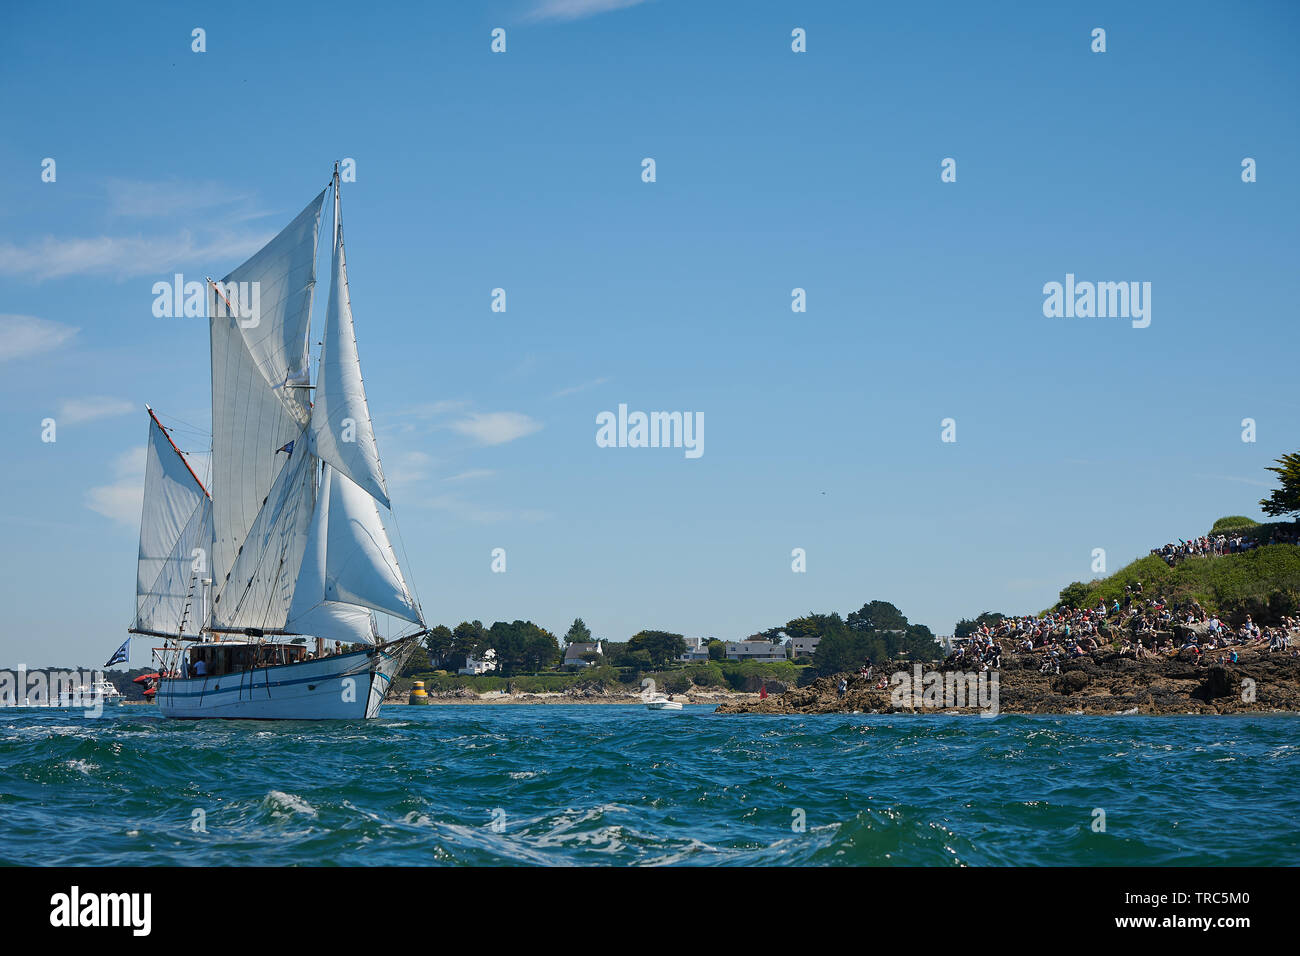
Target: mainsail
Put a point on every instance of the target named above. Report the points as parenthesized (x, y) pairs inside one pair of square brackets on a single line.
[(341, 432), (259, 586), (175, 541), (259, 402)]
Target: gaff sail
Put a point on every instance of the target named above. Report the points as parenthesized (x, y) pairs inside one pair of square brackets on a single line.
[(175, 541)]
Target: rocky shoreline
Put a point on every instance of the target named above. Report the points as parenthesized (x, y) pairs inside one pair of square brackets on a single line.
[(575, 695), (1113, 684)]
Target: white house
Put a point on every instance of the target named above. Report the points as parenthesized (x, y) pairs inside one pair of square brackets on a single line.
[(754, 651), (475, 666), (573, 654)]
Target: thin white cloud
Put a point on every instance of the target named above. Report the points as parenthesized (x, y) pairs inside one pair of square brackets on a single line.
[(464, 509), (77, 411), (404, 468), (472, 512), (24, 335), (432, 409), (125, 257), (170, 198), (471, 474), (574, 389), (496, 428), (121, 500), (576, 9)]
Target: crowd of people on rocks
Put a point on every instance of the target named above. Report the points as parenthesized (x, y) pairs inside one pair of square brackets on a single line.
[(1215, 545), (1141, 626)]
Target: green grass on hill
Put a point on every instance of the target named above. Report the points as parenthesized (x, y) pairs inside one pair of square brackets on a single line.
[(1263, 582), (1233, 523)]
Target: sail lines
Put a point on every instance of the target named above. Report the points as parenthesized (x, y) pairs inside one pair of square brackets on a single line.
[(341, 432)]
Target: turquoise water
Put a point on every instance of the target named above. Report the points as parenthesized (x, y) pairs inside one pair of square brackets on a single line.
[(561, 784)]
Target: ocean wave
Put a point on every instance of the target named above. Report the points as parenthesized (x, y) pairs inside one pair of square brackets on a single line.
[(569, 785)]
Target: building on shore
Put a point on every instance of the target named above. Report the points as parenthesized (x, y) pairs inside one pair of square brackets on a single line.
[(475, 666), (804, 646), (697, 649), (577, 653), (754, 651)]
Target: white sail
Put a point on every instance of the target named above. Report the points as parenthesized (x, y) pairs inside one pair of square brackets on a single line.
[(349, 564), (259, 588), (341, 431), (257, 360), (332, 621), (175, 533)]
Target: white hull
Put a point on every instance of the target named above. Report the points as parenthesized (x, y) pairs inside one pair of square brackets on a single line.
[(344, 687)]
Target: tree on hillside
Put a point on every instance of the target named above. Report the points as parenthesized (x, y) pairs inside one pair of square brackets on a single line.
[(894, 636), (467, 638), (966, 627), (1073, 595), (810, 625), (578, 633), (438, 642), (523, 645), (1284, 500), (417, 663), (661, 646), (877, 616)]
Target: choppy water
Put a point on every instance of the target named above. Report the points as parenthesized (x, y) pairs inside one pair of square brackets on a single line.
[(562, 784)]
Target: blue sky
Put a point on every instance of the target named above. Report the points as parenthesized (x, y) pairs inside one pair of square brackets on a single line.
[(775, 170)]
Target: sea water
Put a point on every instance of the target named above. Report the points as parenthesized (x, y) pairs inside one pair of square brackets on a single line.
[(620, 785)]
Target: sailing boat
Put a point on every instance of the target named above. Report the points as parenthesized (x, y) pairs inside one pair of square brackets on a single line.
[(264, 589)]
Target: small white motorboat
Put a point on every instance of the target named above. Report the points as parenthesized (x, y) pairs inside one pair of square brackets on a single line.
[(660, 702)]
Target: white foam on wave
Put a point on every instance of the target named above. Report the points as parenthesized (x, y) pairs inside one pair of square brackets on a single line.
[(284, 803)]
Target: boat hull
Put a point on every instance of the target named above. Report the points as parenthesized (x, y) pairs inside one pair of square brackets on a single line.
[(343, 687)]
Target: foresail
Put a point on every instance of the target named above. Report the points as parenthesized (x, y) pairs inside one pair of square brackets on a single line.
[(260, 324), (175, 534), (341, 431), (349, 564), (310, 613)]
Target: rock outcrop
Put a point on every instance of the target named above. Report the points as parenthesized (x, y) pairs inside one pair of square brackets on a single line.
[(1258, 683)]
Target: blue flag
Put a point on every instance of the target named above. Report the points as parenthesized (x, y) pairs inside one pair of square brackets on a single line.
[(121, 655), (287, 447)]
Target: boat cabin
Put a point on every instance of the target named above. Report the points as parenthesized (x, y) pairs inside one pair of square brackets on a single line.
[(229, 657)]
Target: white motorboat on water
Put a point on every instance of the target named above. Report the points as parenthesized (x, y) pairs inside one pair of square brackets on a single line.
[(660, 702), (99, 692), (263, 590)]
